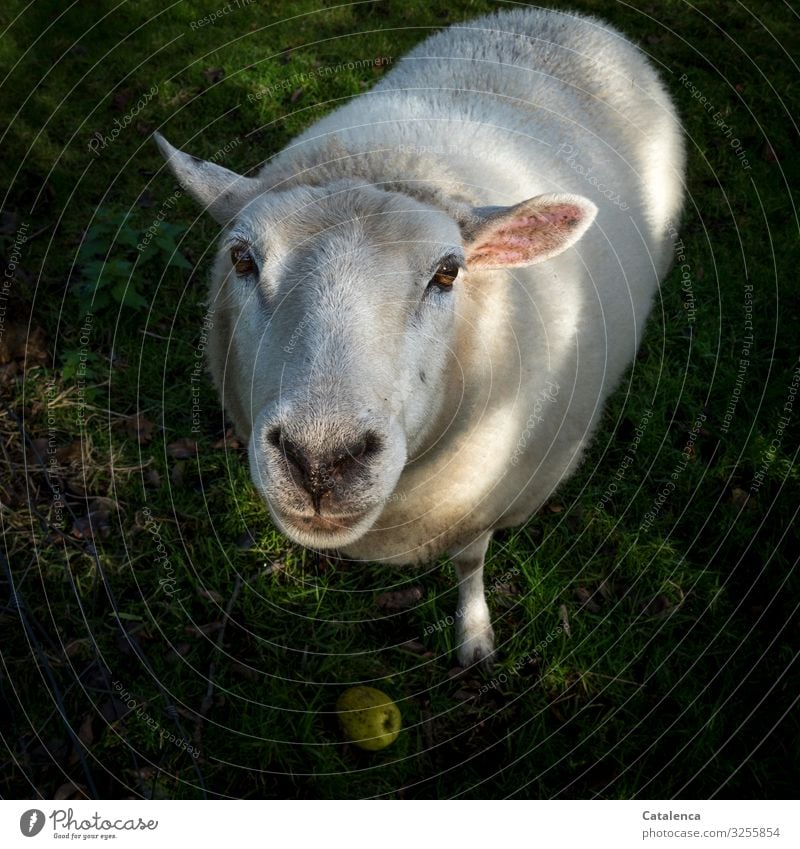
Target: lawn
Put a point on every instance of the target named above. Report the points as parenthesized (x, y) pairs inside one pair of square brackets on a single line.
[(159, 638)]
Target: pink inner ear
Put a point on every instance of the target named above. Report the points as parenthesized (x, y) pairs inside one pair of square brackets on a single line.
[(558, 215), (526, 237)]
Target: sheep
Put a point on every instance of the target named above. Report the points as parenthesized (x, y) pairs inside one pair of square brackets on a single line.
[(422, 303)]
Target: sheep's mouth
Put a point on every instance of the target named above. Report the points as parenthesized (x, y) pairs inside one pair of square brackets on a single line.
[(324, 530), (327, 524)]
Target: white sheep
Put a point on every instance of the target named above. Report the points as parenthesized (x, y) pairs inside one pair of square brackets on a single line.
[(421, 304)]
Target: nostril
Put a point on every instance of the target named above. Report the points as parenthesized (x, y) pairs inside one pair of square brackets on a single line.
[(292, 453), (319, 472), (275, 437), (368, 445), (360, 452)]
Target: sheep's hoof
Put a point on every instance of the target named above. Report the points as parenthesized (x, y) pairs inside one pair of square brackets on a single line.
[(477, 650)]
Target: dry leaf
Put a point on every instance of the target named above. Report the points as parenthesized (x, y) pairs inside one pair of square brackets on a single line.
[(739, 497), (658, 607), (70, 790), (86, 732), (228, 442), (74, 647), (564, 614), (95, 525), (17, 344), (63, 454), (7, 373), (586, 598), (246, 672), (139, 428), (275, 566), (177, 473), (416, 647), (212, 595), (399, 599), (182, 449), (214, 75), (40, 448)]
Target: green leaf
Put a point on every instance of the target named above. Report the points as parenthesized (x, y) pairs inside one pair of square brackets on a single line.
[(128, 237), (125, 293), (179, 261)]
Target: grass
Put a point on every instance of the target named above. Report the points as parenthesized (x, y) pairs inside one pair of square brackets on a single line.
[(645, 647)]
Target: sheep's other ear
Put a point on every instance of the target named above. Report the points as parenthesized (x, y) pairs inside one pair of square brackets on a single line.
[(222, 193), (527, 233)]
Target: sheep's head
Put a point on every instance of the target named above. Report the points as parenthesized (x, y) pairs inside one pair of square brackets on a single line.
[(337, 313)]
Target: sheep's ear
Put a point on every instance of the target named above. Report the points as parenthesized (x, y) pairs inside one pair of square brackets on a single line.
[(220, 192), (527, 233)]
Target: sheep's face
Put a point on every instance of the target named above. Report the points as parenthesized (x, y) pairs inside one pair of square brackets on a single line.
[(335, 316), (342, 303)]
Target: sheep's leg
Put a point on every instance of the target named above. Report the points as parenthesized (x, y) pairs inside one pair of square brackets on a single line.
[(474, 635)]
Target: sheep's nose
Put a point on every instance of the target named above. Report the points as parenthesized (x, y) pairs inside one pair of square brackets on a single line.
[(320, 471)]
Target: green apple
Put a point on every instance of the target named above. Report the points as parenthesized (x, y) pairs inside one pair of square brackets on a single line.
[(369, 717)]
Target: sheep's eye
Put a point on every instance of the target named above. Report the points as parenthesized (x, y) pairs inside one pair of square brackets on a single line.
[(445, 274), (243, 262)]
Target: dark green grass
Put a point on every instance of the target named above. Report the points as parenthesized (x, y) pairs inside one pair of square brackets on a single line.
[(674, 676)]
